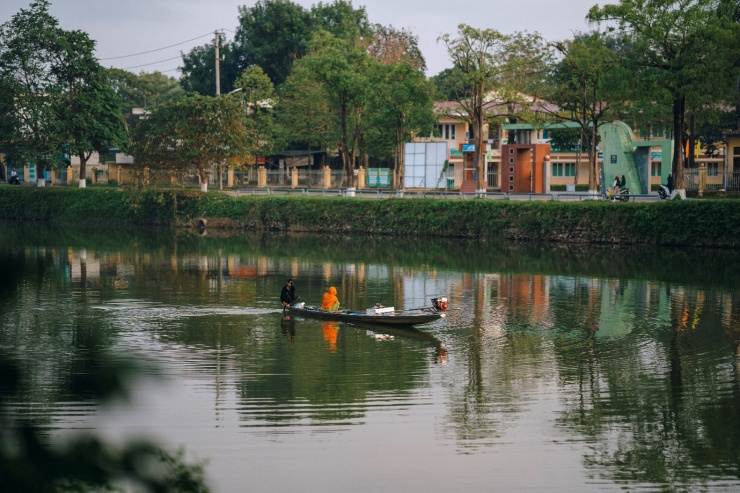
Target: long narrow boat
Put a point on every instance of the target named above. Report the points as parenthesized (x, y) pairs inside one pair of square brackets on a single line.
[(377, 315)]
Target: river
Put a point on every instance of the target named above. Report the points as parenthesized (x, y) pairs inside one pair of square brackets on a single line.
[(557, 368)]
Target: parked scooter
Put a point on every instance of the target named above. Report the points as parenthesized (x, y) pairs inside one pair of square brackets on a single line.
[(14, 180), (666, 191)]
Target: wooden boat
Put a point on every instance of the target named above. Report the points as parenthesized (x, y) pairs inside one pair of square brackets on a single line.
[(378, 315)]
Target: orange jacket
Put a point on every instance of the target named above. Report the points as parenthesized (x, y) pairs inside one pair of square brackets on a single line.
[(330, 300)]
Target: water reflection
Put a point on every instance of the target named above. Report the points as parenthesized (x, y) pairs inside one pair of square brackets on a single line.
[(629, 362)]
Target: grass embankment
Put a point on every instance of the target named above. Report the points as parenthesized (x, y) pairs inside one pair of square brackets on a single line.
[(688, 222)]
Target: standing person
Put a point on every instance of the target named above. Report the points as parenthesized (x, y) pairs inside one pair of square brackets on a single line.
[(669, 183), (623, 183), (287, 295), (330, 301)]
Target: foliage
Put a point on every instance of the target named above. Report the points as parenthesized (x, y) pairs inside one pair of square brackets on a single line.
[(258, 97), (683, 53), (390, 45), (29, 46), (145, 90), (199, 68), (86, 462), (194, 132), (477, 55), (584, 91), (687, 222), (400, 108), (271, 34), (56, 97), (343, 71)]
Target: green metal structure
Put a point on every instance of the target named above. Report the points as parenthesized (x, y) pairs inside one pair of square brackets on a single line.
[(622, 155)]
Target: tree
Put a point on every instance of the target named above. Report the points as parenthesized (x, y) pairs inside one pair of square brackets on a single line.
[(476, 56), (28, 44), (677, 49), (580, 89), (258, 97), (303, 113), (193, 132), (88, 106), (343, 70), (58, 96), (389, 45), (199, 68), (87, 462), (272, 34), (401, 107)]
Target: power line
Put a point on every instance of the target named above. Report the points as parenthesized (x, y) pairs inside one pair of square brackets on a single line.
[(153, 63), (158, 49)]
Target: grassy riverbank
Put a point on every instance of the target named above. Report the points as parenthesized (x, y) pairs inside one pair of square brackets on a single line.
[(688, 222)]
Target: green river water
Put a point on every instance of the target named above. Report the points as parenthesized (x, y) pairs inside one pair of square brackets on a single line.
[(557, 368)]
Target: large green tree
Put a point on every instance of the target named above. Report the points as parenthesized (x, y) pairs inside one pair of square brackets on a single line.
[(271, 34), (88, 107), (677, 51), (401, 107), (192, 133), (29, 43), (257, 94), (57, 98), (342, 68), (477, 57), (585, 88)]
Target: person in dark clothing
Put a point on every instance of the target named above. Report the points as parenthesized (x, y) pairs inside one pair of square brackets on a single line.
[(623, 182), (287, 295), (669, 183)]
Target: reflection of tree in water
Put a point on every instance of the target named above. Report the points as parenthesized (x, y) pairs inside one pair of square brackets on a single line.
[(656, 405)]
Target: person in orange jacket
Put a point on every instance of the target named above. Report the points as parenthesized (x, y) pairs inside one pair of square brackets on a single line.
[(330, 301)]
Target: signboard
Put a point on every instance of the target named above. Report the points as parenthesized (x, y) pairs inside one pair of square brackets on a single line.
[(656, 155), (455, 153), (613, 159), (378, 177), (600, 155), (468, 147)]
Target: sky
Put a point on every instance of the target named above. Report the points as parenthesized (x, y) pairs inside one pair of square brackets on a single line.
[(165, 28)]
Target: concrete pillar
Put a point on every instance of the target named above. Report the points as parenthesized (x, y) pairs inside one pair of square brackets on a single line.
[(361, 178), (294, 177), (262, 177), (230, 177), (702, 178), (118, 180), (327, 177), (546, 174), (70, 175)]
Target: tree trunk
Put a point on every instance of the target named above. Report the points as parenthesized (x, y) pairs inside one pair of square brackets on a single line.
[(83, 169), (679, 104), (593, 162)]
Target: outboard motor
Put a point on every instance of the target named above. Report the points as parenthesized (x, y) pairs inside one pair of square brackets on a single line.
[(440, 304)]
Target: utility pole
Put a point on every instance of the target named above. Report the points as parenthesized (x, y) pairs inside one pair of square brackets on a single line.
[(218, 61)]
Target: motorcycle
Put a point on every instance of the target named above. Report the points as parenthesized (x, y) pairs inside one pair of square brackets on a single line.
[(621, 195), (14, 180), (664, 192)]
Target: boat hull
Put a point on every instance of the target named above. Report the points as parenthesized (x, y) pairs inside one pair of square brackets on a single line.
[(393, 319)]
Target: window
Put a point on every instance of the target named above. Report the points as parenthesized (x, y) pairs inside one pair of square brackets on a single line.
[(655, 169), (570, 169), (712, 169), (557, 169), (447, 131)]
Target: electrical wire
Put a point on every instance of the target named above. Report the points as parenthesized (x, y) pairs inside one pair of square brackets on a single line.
[(153, 63), (158, 49)]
